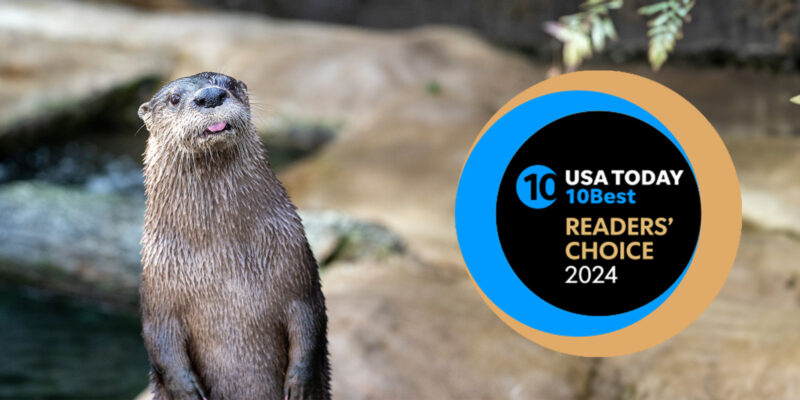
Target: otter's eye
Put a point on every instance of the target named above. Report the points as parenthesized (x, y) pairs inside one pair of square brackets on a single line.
[(174, 99)]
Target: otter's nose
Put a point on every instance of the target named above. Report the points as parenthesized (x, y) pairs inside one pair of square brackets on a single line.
[(210, 97)]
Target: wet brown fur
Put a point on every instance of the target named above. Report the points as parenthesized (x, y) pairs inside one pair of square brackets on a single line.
[(230, 297)]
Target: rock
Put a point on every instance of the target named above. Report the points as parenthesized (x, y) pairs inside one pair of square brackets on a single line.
[(401, 169), (51, 88), (389, 321), (767, 169), (736, 350), (765, 271), (390, 340), (398, 163), (410, 331), (298, 70), (65, 240), (288, 139), (743, 347), (335, 236)]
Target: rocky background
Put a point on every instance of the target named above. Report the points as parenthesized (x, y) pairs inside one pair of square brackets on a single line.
[(368, 129)]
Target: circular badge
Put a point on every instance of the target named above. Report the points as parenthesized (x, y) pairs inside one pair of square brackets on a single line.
[(598, 213)]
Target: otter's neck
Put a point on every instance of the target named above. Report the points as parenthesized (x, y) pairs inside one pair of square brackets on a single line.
[(203, 195)]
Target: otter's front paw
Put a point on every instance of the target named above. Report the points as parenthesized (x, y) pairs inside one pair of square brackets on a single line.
[(301, 385), (185, 387)]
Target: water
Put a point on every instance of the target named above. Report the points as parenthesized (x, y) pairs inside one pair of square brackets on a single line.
[(103, 162), (61, 349)]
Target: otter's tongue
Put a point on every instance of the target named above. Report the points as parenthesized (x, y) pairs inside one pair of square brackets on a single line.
[(217, 127)]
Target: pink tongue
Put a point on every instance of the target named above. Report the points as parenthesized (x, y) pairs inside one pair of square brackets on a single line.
[(217, 127)]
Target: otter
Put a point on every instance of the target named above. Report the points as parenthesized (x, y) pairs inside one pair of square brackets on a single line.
[(231, 301)]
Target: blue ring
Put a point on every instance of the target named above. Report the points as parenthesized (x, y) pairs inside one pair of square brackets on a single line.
[(476, 223)]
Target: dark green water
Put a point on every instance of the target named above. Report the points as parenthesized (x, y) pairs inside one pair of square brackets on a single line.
[(57, 349)]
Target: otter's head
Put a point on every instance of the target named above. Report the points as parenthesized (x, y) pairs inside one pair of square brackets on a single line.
[(198, 113)]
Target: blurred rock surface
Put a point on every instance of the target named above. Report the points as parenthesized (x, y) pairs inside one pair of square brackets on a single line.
[(769, 173), (51, 86), (334, 236), (71, 241)]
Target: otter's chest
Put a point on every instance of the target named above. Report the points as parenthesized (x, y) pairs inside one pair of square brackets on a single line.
[(215, 279)]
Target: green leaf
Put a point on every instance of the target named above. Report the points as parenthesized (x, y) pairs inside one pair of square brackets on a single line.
[(598, 37), (585, 31), (609, 28), (795, 99), (653, 8), (659, 20), (662, 30), (657, 56)]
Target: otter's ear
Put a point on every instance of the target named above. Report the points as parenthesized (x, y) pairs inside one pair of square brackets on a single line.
[(243, 86), (144, 112)]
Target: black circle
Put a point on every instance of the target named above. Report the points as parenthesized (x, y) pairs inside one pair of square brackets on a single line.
[(534, 241)]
